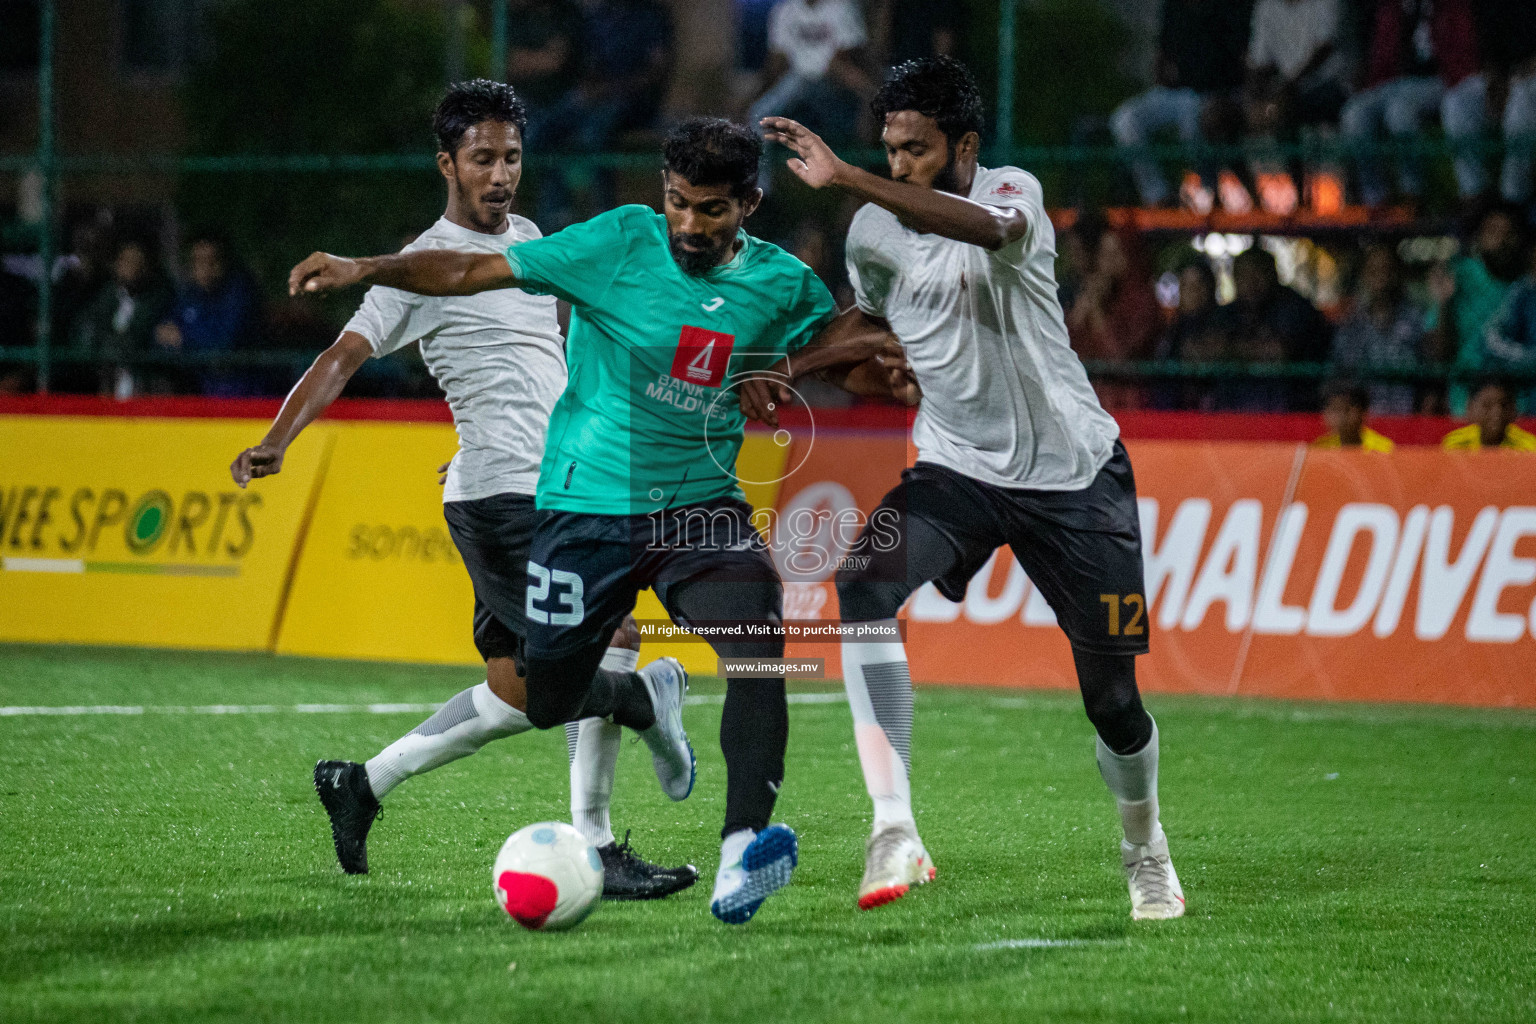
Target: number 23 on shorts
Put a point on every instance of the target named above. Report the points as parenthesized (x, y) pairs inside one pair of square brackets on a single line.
[(567, 589)]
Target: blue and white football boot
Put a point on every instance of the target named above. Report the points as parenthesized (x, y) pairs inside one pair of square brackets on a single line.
[(753, 866)]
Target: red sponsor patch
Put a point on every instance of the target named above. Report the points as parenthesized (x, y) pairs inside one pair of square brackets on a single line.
[(528, 898), (702, 356), (1007, 188)]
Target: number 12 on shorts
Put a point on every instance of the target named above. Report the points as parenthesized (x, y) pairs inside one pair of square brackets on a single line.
[(567, 590), (1135, 602)]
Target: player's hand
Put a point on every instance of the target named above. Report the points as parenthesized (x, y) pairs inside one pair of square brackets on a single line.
[(262, 460), (322, 272), (816, 165), (442, 473), (899, 375), (763, 395)]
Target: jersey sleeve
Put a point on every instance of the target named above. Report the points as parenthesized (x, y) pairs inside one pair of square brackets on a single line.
[(390, 319), (812, 309), (1019, 190), (868, 272), (577, 264)]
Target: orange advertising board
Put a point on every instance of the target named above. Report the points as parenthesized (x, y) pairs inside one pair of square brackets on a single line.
[(1272, 570)]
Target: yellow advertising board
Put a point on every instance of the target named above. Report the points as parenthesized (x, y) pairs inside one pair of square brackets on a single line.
[(379, 577), (130, 531)]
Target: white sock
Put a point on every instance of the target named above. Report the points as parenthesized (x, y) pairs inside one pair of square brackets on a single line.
[(879, 687), (460, 727), (593, 748), (1132, 778)]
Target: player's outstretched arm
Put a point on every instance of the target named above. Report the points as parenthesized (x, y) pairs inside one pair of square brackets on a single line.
[(927, 210), (321, 384), (852, 338), (425, 272)]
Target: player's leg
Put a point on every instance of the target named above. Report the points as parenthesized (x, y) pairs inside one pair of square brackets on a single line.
[(352, 793), (903, 547), (580, 587), (1083, 551), (593, 748), (756, 858)]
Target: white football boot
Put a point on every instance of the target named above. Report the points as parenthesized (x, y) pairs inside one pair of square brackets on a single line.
[(894, 861), (1155, 891), (753, 866), (671, 753)]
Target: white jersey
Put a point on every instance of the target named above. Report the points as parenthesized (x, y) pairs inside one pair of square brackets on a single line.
[(498, 355), (809, 36), (1005, 399)]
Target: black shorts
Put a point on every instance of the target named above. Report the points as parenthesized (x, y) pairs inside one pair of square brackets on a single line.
[(493, 535), (1082, 549), (585, 570)]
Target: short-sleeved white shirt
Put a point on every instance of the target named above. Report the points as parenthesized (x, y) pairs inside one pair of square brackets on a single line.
[(1286, 33), (1005, 399), (498, 356), (810, 35)]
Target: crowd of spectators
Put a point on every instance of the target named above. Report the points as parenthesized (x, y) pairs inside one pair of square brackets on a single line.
[(1359, 72), (597, 75), (1475, 312)]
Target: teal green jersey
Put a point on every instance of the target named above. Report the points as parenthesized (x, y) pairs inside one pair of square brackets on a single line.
[(648, 419)]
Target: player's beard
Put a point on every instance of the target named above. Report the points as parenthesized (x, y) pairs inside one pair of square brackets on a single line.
[(694, 262), (948, 179)]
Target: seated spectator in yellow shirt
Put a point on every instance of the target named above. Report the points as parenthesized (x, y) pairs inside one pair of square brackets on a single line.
[(1492, 411), (1344, 409)]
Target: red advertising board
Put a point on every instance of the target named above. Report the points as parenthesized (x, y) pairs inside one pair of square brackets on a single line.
[(1272, 569)]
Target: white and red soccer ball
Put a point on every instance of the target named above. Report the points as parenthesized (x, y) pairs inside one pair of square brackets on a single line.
[(548, 877)]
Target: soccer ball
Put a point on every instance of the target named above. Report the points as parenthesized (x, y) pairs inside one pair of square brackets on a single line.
[(548, 877)]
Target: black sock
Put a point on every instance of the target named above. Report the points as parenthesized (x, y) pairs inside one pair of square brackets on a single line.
[(571, 687), (1112, 701), (754, 730), (621, 696)]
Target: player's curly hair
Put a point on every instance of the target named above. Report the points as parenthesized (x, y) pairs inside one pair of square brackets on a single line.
[(469, 103), (714, 151), (938, 87)]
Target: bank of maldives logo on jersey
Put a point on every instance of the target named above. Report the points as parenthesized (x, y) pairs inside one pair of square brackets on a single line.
[(702, 356)]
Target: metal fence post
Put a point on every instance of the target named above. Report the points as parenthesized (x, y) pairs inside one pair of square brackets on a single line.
[(47, 165), (499, 40), (1006, 29)]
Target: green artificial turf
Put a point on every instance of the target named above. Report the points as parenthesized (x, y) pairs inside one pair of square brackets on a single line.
[(1344, 863)]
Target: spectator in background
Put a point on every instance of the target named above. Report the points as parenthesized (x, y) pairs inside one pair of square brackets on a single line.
[(1201, 332), (1383, 330), (542, 36), (1197, 67), (1274, 324), (1469, 291), (1503, 93), (1344, 410), (815, 72), (923, 28), (18, 313), (119, 322), (214, 311), (1492, 411), (1114, 317), (1295, 80), (624, 62), (1509, 343), (1422, 54)]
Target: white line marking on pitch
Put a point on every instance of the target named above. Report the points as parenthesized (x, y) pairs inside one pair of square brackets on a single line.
[(17, 711), (1040, 943)]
